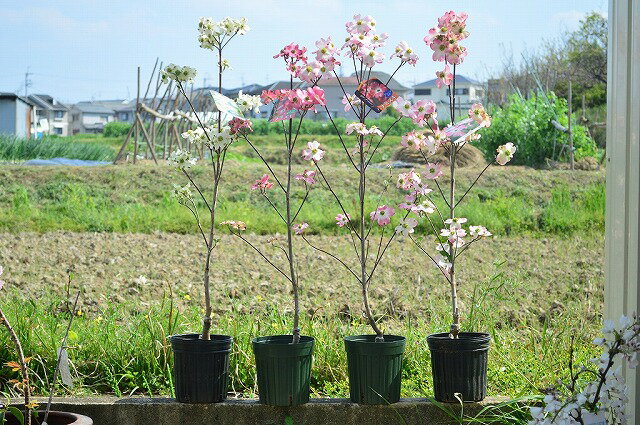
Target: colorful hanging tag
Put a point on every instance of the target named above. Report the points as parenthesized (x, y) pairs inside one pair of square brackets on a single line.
[(375, 94)]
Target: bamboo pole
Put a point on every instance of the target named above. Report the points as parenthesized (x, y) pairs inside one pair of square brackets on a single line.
[(570, 112), (135, 146)]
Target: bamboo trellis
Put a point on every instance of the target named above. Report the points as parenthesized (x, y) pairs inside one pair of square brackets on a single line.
[(159, 120)]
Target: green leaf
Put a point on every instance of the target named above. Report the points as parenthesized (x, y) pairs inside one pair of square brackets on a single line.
[(288, 420), (17, 413)]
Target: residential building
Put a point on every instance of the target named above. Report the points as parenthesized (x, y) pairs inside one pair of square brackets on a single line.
[(49, 116), (15, 115), (123, 110), (467, 92), (90, 117)]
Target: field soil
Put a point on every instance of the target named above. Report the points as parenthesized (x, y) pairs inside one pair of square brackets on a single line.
[(541, 275)]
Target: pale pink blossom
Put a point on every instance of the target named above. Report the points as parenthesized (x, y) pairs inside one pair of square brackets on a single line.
[(300, 228), (356, 127), (455, 222), (479, 115), (505, 153), (313, 152), (424, 207), (308, 176), (453, 233), (342, 220), (413, 139), (479, 231), (403, 106), (262, 184), (405, 53), (433, 171), (350, 101), (382, 215), (235, 224), (444, 77), (406, 181), (406, 226)]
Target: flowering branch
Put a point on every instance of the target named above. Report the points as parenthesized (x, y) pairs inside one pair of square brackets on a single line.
[(605, 397)]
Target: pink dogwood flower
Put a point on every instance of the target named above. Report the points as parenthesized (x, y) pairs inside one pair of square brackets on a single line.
[(300, 228), (403, 106), (479, 115), (238, 124), (455, 222), (479, 231), (406, 181), (433, 171), (405, 53), (413, 139), (342, 220), (308, 176), (444, 77), (349, 101), (406, 226), (262, 184), (313, 152), (382, 215), (505, 153), (453, 233), (292, 52)]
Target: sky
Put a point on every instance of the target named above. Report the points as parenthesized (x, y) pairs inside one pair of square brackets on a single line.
[(90, 49)]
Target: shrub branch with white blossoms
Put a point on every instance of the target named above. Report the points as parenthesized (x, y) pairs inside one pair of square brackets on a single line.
[(362, 46), (302, 101), (605, 395), (449, 230), (215, 137)]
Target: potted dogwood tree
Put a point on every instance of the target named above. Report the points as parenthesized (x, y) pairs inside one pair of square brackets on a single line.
[(283, 362), (201, 360), (458, 359), (374, 361)]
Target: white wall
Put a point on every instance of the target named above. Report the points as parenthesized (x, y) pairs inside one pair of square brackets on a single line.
[(622, 221)]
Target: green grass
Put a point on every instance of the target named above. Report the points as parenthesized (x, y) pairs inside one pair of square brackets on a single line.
[(138, 199), (16, 149), (123, 349)]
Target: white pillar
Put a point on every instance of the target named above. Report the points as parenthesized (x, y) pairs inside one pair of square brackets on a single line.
[(623, 173)]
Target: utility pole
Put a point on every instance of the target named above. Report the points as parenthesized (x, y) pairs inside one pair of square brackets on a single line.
[(27, 82)]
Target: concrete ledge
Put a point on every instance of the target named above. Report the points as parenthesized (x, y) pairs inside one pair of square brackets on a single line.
[(161, 411)]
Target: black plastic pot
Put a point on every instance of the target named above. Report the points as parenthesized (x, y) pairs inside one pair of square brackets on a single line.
[(283, 369), (459, 366), (54, 418), (375, 368), (200, 367)]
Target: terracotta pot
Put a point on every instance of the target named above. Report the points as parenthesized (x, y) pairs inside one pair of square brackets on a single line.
[(55, 418)]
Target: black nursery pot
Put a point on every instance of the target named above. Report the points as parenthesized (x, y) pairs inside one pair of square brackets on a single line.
[(200, 367), (459, 366), (54, 418), (375, 368), (283, 369)]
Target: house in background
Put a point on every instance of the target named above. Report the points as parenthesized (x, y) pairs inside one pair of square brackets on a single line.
[(15, 115), (49, 117), (123, 110), (90, 117), (467, 93)]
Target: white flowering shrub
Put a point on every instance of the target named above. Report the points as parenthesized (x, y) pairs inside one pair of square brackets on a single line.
[(606, 394)]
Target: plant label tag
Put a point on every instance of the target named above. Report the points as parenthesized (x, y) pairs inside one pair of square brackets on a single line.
[(280, 113), (227, 106), (375, 94), (63, 367), (594, 419)]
